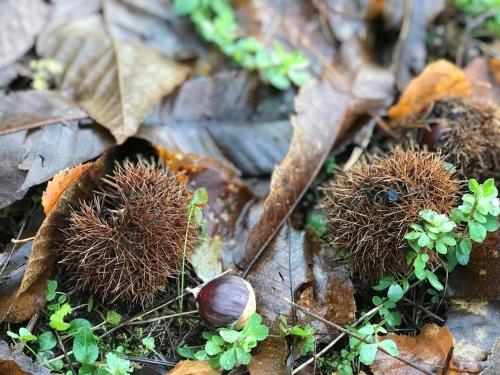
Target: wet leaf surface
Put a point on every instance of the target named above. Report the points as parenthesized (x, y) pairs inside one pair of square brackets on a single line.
[(269, 357), (29, 157), (13, 362), (429, 350), (109, 78), (20, 22), (227, 116)]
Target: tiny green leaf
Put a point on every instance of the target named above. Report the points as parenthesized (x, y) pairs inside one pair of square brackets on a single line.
[(149, 343), (367, 353), (113, 318), (390, 346), (228, 359), (46, 341), (477, 231), (395, 292), (229, 335), (85, 347)]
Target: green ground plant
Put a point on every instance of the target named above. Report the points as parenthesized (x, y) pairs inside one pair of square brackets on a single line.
[(215, 21)]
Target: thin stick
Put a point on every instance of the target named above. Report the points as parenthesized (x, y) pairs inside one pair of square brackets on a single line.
[(426, 310), (13, 247), (161, 318), (24, 240), (362, 339), (65, 353), (337, 339)]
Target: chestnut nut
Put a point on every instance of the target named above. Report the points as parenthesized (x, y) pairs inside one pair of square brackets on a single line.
[(227, 301)]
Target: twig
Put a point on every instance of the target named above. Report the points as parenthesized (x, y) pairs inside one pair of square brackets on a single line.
[(24, 240), (337, 339), (14, 247), (153, 361), (358, 150), (426, 310), (161, 318), (61, 345), (356, 336)]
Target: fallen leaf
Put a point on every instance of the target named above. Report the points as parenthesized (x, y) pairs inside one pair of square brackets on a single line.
[(16, 308), (439, 80), (429, 350), (219, 116), (115, 82), (475, 325), (269, 357), (30, 157), (159, 28), (325, 110), (481, 277), (57, 186), (484, 80), (20, 22), (13, 362), (493, 361), (43, 255), (33, 109), (187, 367)]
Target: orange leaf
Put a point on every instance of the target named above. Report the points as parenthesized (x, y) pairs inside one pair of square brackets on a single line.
[(58, 185), (188, 367), (429, 350), (438, 80)]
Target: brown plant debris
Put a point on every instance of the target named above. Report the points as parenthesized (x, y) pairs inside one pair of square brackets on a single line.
[(371, 206), (470, 136), (126, 242)]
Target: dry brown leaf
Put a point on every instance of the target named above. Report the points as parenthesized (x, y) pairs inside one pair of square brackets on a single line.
[(187, 367), (115, 82), (20, 22), (325, 111), (485, 79), (16, 308), (13, 362), (439, 80), (269, 357), (57, 186), (29, 157), (429, 350), (33, 109)]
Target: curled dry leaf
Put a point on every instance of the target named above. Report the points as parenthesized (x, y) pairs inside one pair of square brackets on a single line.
[(439, 80), (14, 362), (32, 120), (20, 22), (14, 307), (429, 350), (187, 367), (115, 82), (229, 116)]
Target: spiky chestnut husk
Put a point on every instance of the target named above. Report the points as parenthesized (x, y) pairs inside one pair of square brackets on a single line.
[(371, 206), (468, 134), (125, 243)]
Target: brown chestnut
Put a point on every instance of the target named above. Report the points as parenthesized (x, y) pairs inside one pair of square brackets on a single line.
[(227, 301)]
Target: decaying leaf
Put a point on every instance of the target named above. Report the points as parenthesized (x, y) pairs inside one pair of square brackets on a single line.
[(115, 82), (14, 307), (485, 79), (13, 362), (269, 357), (324, 110), (57, 186), (429, 350), (20, 22), (30, 157), (439, 80), (475, 326), (32, 109), (43, 254), (219, 116), (187, 367)]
